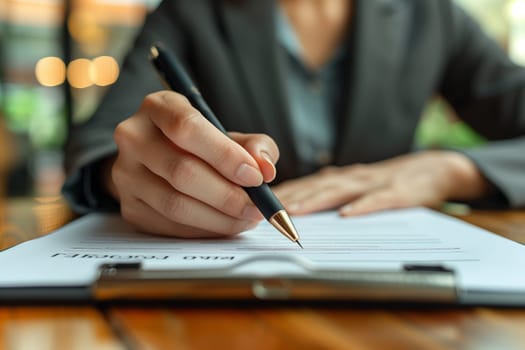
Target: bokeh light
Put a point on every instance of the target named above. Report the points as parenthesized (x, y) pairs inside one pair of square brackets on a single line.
[(78, 73), (104, 71), (50, 71)]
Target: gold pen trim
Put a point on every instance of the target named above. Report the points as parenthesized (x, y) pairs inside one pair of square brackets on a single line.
[(282, 222)]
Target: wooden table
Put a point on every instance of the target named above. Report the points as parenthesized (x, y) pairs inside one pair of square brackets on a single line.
[(229, 327)]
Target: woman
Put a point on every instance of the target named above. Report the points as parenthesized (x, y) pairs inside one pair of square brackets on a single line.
[(335, 88)]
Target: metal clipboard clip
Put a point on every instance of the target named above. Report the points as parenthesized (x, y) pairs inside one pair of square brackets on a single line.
[(414, 283)]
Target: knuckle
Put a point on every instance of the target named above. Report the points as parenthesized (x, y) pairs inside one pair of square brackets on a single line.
[(183, 125), (174, 206), (130, 135), (152, 103), (225, 154), (117, 172), (181, 172), (232, 201), (120, 175), (122, 133), (180, 119), (150, 100), (362, 173)]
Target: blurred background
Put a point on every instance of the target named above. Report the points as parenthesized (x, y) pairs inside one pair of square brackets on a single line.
[(58, 57)]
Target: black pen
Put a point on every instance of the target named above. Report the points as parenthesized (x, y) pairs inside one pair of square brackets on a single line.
[(174, 75)]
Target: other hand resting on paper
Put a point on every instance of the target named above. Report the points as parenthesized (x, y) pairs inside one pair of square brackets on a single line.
[(176, 174), (420, 179)]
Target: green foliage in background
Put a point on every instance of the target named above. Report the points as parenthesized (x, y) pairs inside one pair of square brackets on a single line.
[(439, 130), (20, 104), (38, 113)]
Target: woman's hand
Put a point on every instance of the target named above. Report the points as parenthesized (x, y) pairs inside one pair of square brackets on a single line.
[(420, 179), (176, 174)]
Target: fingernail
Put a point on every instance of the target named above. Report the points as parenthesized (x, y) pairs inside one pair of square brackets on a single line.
[(346, 210), (267, 158), (248, 175), (269, 161), (251, 213)]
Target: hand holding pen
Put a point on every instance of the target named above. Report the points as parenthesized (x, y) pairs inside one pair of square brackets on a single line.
[(177, 174), (173, 74)]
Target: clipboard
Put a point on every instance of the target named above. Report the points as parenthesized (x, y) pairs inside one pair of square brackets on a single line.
[(435, 259), (423, 284)]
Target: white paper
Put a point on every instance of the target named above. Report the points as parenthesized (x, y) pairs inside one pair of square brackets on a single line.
[(388, 240)]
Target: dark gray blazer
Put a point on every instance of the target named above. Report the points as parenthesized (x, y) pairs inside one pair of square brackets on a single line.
[(402, 53)]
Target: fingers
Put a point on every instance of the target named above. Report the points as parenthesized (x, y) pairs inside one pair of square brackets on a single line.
[(190, 175), (355, 190), (293, 188), (325, 199), (136, 211), (163, 182), (173, 209), (158, 224), (184, 172), (263, 149), (377, 201), (327, 189), (320, 197), (189, 130)]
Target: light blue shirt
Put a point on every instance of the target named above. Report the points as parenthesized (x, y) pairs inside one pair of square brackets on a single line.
[(313, 98)]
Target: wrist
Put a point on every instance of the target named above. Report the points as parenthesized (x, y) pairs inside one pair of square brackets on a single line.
[(466, 182)]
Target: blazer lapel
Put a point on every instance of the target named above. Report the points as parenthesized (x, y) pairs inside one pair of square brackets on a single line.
[(380, 28), (250, 28)]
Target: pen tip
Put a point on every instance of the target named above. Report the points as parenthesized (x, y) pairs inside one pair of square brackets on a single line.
[(299, 243)]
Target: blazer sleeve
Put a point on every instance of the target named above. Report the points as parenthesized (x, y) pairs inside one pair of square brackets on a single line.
[(487, 90), (92, 141)]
